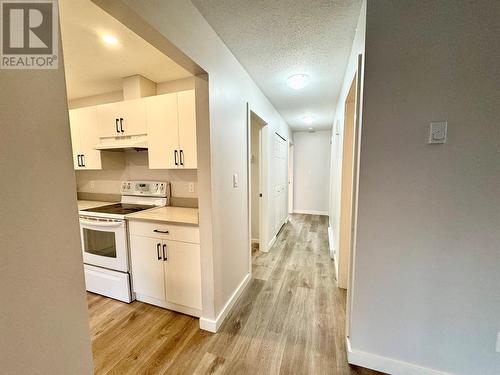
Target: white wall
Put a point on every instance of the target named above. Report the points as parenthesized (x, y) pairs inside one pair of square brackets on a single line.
[(311, 172), (255, 177), (136, 167), (230, 89), (427, 281), (43, 309), (358, 47)]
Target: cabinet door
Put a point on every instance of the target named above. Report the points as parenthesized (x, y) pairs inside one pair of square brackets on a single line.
[(147, 270), (89, 137), (133, 113), (75, 136), (122, 118), (163, 135), (108, 116), (187, 128), (183, 274)]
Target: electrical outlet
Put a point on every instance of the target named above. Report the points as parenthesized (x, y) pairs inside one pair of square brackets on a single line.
[(498, 343), (191, 187), (92, 185)]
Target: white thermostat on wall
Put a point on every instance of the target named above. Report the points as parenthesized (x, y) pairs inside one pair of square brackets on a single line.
[(437, 132)]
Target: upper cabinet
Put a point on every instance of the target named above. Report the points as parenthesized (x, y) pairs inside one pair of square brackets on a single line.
[(168, 122), (171, 120), (122, 118), (84, 136)]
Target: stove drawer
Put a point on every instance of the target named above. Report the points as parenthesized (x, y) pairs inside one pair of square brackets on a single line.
[(174, 232)]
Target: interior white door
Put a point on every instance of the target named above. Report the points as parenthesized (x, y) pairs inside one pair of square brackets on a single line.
[(163, 133), (147, 266), (187, 128), (280, 175), (183, 274)]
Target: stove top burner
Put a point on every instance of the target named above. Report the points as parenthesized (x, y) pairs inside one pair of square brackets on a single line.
[(120, 208)]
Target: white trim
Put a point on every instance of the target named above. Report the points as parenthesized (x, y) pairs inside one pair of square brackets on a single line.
[(330, 242), (384, 364), (255, 240), (270, 244), (213, 325), (311, 212)]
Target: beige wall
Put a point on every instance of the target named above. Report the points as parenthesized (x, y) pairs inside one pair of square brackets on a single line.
[(136, 167), (427, 281), (43, 310)]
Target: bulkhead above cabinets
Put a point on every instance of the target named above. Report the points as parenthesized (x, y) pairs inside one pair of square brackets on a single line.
[(165, 125)]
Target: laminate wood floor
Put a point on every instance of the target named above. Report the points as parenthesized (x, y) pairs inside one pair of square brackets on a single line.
[(290, 320)]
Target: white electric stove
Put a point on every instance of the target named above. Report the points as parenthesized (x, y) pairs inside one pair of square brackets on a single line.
[(105, 240)]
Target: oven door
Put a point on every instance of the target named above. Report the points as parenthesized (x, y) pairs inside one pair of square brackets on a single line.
[(104, 242)]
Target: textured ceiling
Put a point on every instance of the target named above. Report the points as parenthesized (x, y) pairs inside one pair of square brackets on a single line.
[(95, 68), (274, 39)]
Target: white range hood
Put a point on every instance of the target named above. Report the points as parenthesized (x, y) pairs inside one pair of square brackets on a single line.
[(132, 142)]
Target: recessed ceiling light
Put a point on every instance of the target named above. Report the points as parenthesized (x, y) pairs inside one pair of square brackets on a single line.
[(308, 119), (110, 39), (297, 81)]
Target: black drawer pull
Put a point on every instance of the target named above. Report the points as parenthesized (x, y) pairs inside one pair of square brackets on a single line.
[(161, 231)]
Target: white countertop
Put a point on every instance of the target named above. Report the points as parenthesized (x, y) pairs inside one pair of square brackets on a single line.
[(85, 205), (179, 215)]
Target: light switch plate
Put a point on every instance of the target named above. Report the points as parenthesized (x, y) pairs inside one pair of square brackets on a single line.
[(235, 180), (437, 132)]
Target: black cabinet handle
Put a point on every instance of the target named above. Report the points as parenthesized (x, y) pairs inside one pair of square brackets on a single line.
[(158, 250), (83, 160), (181, 153), (116, 124), (165, 252), (78, 159), (175, 158), (160, 231), (121, 124)]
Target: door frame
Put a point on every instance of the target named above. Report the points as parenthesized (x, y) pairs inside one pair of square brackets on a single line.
[(355, 188), (263, 171)]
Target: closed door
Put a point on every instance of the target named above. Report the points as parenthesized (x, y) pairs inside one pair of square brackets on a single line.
[(163, 134), (147, 266), (187, 129), (122, 118), (183, 274)]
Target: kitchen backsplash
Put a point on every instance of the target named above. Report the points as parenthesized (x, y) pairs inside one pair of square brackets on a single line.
[(136, 168)]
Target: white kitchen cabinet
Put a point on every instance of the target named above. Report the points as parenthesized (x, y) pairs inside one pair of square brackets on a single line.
[(187, 129), (183, 274), (166, 272), (163, 131), (147, 266), (122, 118), (84, 137), (171, 120)]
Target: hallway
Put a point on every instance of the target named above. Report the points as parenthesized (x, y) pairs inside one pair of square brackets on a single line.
[(290, 319)]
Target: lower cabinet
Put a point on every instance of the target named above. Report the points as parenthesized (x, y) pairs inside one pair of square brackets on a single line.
[(166, 272)]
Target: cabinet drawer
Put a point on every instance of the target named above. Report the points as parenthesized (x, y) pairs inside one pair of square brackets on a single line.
[(172, 232)]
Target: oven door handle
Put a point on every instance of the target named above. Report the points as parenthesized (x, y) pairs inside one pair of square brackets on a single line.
[(104, 224)]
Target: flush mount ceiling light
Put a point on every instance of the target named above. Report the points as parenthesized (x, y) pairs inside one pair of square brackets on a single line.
[(308, 119), (109, 40), (297, 81)]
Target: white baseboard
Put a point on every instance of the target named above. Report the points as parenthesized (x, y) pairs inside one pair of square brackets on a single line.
[(384, 364), (330, 242), (309, 212), (213, 325), (270, 244)]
